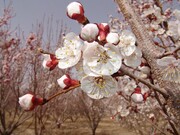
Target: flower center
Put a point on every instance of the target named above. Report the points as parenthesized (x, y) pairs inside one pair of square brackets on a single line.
[(103, 57), (100, 82)]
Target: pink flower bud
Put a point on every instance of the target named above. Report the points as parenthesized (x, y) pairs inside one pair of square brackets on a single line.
[(112, 38), (65, 82), (75, 11), (50, 61), (29, 102), (137, 96), (103, 31), (89, 32)]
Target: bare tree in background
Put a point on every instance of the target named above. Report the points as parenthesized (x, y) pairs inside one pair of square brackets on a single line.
[(92, 110), (12, 75)]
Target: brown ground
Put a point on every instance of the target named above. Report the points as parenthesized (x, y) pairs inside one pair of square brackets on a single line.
[(80, 127)]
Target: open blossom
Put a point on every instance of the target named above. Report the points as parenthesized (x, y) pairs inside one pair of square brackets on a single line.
[(126, 85), (134, 60), (103, 31), (70, 53), (174, 26), (76, 72), (29, 102), (65, 82), (50, 61), (89, 32), (145, 69), (127, 43), (75, 11), (154, 14), (171, 68), (99, 60), (112, 38), (99, 87)]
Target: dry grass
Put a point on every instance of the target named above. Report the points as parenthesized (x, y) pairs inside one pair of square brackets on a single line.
[(80, 127)]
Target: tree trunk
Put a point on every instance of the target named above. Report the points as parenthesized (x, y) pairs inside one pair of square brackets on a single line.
[(94, 131), (149, 49), (150, 52)]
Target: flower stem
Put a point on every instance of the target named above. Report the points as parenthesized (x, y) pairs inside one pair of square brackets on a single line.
[(44, 52), (60, 93)]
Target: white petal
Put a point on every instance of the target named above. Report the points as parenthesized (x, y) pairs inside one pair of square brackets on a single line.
[(137, 98), (46, 58), (73, 7), (165, 61), (112, 38), (105, 89), (61, 81), (95, 96), (89, 32), (26, 101), (132, 61), (127, 51)]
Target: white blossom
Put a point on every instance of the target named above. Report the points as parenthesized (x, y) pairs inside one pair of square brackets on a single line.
[(99, 87), (145, 69), (70, 54), (127, 43), (171, 68), (134, 60), (112, 38), (126, 85), (89, 32), (99, 60)]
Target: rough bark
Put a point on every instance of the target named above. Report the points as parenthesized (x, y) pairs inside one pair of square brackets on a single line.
[(145, 42), (150, 53)]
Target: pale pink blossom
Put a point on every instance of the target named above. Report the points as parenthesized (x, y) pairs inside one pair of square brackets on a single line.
[(70, 54), (170, 68), (134, 60), (127, 43), (99, 60), (99, 87)]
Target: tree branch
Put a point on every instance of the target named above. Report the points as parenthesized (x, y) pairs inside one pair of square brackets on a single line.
[(60, 93), (150, 85)]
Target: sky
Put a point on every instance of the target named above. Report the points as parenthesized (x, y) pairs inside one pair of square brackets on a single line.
[(29, 12)]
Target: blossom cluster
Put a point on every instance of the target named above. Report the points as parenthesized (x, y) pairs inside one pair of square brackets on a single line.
[(93, 56)]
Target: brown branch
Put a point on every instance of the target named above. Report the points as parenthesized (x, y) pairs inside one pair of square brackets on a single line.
[(170, 52), (60, 93), (150, 85), (44, 52)]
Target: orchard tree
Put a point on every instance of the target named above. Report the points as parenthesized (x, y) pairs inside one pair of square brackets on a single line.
[(136, 58), (12, 75)]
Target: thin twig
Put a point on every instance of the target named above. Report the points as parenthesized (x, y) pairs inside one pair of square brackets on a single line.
[(159, 90), (60, 93), (170, 52)]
